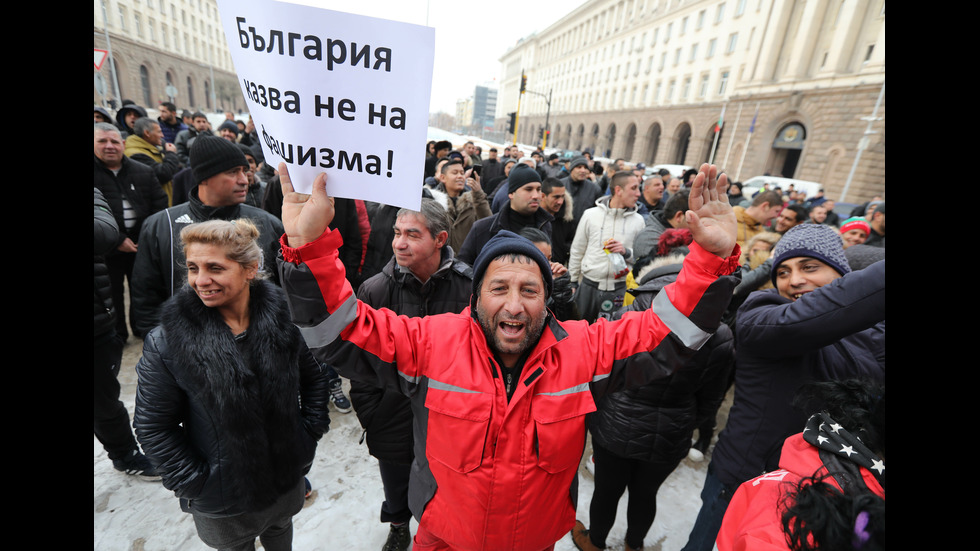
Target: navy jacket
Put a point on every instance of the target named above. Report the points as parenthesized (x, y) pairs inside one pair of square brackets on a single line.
[(834, 332)]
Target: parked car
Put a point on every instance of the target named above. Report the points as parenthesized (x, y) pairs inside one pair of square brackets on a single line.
[(755, 183), (676, 171)]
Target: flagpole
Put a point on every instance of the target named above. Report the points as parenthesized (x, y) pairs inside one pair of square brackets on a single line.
[(721, 121), (731, 140), (747, 138)]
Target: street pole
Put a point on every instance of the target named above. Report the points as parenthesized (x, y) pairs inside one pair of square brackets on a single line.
[(731, 140), (108, 46), (863, 142)]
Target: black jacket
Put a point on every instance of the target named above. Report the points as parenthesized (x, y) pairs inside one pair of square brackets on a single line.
[(485, 228), (386, 415), (159, 271), (231, 424), (135, 183), (654, 423), (106, 236)]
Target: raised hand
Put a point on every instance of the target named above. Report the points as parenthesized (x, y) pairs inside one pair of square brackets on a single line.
[(305, 216), (710, 216)]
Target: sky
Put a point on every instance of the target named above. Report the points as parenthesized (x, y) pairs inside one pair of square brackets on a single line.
[(469, 37)]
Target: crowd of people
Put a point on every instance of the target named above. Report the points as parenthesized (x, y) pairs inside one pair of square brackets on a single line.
[(531, 300)]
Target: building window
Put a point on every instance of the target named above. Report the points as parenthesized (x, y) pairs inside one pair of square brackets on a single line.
[(153, 32), (165, 36), (732, 41), (867, 56), (701, 16), (656, 96), (145, 84), (677, 56), (663, 61), (694, 53), (723, 83), (720, 13), (712, 44), (683, 26), (137, 25), (667, 34), (739, 8), (703, 90), (670, 91), (687, 88), (122, 18)]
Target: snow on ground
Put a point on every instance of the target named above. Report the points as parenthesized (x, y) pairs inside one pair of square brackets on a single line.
[(135, 515)]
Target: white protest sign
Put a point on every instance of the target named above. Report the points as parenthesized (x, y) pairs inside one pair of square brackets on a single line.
[(337, 93)]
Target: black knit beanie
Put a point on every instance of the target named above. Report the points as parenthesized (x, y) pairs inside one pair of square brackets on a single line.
[(519, 177), (506, 242), (211, 155)]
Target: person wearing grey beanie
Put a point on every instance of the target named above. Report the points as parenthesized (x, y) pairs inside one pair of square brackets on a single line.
[(808, 241), (822, 322)]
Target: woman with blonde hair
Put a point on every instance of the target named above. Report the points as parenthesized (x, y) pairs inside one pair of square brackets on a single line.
[(230, 402)]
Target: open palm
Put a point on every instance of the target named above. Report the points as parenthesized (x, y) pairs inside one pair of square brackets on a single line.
[(710, 216)]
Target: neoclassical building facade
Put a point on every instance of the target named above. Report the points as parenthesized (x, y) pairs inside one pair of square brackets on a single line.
[(797, 85), (165, 46)]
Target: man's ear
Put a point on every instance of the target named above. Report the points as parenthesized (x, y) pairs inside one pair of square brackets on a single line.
[(441, 239)]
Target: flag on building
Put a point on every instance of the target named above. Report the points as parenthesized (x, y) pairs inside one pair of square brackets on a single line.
[(754, 117), (721, 119)]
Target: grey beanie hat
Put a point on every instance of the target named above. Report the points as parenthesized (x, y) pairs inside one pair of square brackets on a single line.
[(210, 155), (813, 241), (580, 160)]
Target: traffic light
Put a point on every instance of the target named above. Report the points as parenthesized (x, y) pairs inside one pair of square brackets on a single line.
[(540, 133), (512, 120), (523, 82)]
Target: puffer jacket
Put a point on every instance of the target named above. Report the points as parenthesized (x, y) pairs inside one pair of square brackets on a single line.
[(230, 424), (835, 332), (598, 224), (654, 422), (106, 235), (386, 415), (492, 473)]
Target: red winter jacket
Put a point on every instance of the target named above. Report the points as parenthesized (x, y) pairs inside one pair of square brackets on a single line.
[(753, 518), (488, 473)]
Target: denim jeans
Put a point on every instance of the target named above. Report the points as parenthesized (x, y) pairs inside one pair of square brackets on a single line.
[(715, 497)]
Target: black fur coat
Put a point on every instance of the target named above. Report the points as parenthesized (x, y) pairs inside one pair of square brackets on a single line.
[(230, 424)]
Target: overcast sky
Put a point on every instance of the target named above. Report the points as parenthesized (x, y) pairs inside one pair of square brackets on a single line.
[(470, 36)]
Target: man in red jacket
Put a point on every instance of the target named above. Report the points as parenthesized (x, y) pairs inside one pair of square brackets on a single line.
[(500, 391)]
